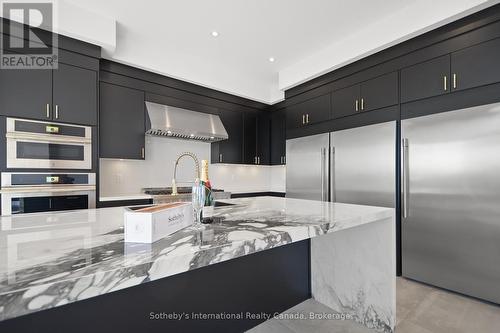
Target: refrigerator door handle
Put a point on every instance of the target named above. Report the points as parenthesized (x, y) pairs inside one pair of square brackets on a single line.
[(332, 175), (406, 179), (324, 195)]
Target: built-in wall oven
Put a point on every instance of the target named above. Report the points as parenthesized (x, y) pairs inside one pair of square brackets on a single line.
[(26, 192), (46, 145)]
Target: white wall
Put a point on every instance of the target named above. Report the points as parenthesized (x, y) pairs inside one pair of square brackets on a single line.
[(128, 177)]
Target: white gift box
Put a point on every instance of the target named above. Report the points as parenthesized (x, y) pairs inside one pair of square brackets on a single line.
[(151, 223)]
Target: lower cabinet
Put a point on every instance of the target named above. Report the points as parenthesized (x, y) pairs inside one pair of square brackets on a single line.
[(278, 137), (122, 122)]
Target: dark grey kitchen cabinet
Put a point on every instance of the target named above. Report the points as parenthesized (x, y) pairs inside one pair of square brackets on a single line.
[(309, 112), (122, 122), (75, 95), (67, 94), (263, 139), (256, 138), (372, 94), (250, 138), (476, 65), (278, 137), (26, 93), (230, 150), (345, 102), (379, 92), (427, 79)]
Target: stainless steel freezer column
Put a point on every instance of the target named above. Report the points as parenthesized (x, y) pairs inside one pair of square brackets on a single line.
[(451, 172), (363, 165), (307, 167)]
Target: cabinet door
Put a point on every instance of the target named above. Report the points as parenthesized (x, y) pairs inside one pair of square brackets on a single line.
[(75, 95), (430, 78), (263, 139), (231, 150), (295, 117), (26, 93), (317, 109), (122, 122), (309, 112), (278, 137), (379, 92), (250, 138), (476, 65), (346, 101)]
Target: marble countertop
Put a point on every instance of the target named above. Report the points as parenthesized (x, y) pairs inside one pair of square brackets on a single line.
[(51, 259)]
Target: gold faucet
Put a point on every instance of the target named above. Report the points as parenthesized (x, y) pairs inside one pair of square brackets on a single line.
[(197, 170)]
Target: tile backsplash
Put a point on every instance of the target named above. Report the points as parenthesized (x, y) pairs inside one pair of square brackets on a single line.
[(128, 177)]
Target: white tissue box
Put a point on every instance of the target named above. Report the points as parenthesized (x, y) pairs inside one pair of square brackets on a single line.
[(147, 224)]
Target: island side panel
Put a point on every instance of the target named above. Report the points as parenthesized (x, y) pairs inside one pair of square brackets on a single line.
[(353, 272)]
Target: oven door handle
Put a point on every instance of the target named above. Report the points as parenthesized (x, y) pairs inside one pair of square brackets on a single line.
[(48, 138), (47, 189)]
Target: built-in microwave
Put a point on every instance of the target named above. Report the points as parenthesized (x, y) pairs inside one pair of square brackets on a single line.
[(46, 145), (24, 192)]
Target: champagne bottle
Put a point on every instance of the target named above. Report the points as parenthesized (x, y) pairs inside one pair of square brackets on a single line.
[(206, 183)]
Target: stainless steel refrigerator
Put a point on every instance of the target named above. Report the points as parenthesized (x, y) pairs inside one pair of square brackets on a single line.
[(350, 166), (451, 200)]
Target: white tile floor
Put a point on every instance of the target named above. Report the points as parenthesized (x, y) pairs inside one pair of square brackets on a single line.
[(420, 309)]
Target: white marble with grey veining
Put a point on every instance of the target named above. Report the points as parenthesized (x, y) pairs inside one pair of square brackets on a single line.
[(353, 272), (52, 259)]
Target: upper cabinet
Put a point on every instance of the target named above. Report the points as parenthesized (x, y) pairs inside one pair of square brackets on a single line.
[(75, 95), (475, 66), (278, 138), (230, 150), (263, 139), (379, 92), (26, 93), (308, 112), (370, 95), (122, 122), (427, 79), (67, 94), (470, 67)]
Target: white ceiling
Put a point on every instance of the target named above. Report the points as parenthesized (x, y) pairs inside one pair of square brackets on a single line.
[(307, 38)]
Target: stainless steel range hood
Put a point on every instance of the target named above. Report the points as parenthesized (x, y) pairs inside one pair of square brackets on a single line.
[(179, 123)]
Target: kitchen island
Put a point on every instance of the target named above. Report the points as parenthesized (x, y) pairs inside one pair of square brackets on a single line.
[(263, 256)]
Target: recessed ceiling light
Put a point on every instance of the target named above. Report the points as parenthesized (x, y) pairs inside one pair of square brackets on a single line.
[(271, 59), (215, 33), (192, 135), (211, 138)]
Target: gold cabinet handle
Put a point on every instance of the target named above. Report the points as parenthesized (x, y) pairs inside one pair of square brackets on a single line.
[(142, 152), (220, 158), (362, 104), (47, 110), (57, 112), (445, 83), (307, 118), (454, 81), (258, 159), (255, 160), (303, 119), (281, 159), (357, 105)]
